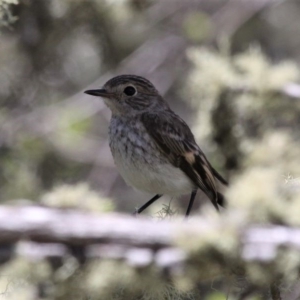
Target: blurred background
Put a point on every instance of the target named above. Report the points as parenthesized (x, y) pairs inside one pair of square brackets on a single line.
[(229, 68)]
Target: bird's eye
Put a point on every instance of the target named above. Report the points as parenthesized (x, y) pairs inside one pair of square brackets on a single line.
[(129, 91)]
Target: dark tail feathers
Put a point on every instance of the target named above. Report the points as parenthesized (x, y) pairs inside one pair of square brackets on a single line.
[(221, 200)]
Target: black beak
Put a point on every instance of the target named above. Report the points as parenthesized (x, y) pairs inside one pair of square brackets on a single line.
[(99, 93)]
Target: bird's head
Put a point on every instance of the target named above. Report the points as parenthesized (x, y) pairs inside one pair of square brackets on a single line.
[(129, 95)]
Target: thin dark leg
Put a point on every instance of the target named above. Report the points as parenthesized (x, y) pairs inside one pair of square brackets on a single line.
[(193, 195), (148, 203)]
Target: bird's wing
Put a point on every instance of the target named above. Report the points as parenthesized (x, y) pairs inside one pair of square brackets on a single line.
[(176, 141)]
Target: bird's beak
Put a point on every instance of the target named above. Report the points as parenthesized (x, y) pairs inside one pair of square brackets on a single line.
[(99, 93)]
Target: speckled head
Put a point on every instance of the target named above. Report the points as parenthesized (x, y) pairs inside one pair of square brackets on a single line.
[(129, 94)]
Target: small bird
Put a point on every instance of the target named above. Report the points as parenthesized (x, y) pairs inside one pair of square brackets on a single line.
[(153, 148)]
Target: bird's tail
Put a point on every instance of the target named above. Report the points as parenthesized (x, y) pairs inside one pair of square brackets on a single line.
[(221, 200), (219, 176)]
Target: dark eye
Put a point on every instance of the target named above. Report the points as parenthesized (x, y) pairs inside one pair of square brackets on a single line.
[(129, 91)]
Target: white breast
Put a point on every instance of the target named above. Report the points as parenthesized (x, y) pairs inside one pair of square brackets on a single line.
[(156, 179), (142, 165)]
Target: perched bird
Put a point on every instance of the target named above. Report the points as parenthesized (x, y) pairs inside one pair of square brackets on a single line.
[(153, 148)]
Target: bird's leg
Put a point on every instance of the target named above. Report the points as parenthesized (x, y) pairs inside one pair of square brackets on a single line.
[(193, 195), (148, 203)]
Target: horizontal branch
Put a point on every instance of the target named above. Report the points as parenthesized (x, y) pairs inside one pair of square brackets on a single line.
[(41, 232)]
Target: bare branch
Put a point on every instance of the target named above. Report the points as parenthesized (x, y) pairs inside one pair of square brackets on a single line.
[(45, 232)]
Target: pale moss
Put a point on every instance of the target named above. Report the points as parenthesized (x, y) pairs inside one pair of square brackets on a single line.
[(167, 292), (77, 196), (6, 17), (288, 263), (258, 192), (260, 74), (276, 149), (259, 275), (104, 277), (218, 231), (256, 195), (216, 237), (212, 71), (165, 211), (185, 283), (69, 286), (292, 205), (261, 192), (254, 82), (117, 280), (67, 270), (19, 277), (206, 80)]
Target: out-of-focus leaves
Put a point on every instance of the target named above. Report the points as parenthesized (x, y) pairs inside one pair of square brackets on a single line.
[(197, 26), (77, 196), (6, 16)]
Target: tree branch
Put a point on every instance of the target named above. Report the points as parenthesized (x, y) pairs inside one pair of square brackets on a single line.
[(46, 232)]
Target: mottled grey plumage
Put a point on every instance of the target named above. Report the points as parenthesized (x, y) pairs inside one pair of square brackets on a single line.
[(153, 148)]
